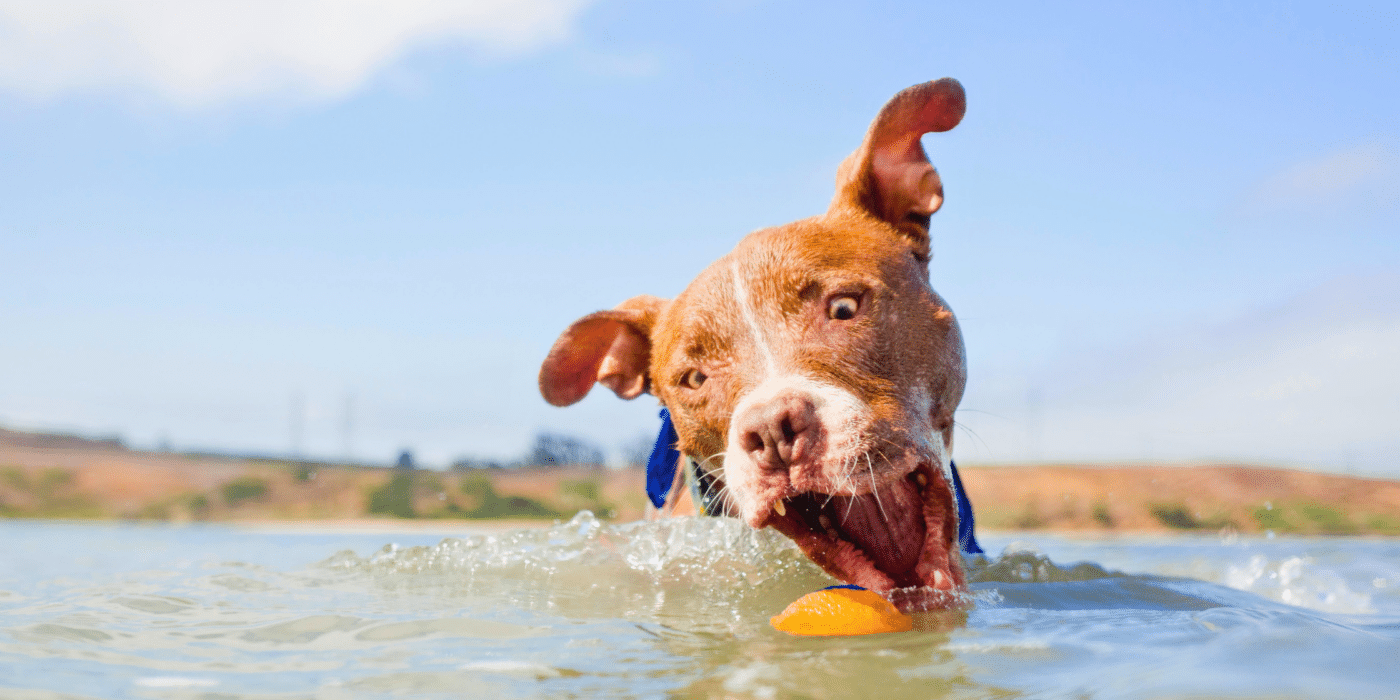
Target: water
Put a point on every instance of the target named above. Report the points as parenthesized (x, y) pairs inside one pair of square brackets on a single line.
[(677, 608)]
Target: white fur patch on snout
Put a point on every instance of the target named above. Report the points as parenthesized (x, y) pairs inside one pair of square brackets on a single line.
[(929, 440), (841, 418)]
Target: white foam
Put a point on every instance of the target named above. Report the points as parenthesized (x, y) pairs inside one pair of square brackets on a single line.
[(1002, 645), (512, 667), (175, 682), (1297, 581)]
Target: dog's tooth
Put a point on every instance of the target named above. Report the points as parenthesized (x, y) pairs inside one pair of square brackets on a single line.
[(938, 578), (923, 480), (824, 521), (779, 508)]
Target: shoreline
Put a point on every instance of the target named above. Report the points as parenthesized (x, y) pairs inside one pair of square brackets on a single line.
[(372, 526), (106, 483)]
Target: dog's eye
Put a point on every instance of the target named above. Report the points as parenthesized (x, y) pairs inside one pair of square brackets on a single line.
[(693, 379), (842, 308)]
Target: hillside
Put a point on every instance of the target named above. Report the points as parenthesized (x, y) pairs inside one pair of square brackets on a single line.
[(49, 476), (1206, 497)]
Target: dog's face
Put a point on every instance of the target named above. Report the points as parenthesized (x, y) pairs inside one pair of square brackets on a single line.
[(813, 370)]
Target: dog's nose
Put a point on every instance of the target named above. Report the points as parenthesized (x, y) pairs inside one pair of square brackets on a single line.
[(777, 433)]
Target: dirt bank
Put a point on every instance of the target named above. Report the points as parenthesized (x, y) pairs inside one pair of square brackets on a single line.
[(76, 478), (1162, 498)]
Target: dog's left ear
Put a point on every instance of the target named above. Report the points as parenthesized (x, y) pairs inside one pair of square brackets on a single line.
[(890, 176)]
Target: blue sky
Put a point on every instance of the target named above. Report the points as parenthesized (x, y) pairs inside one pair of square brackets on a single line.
[(1171, 232)]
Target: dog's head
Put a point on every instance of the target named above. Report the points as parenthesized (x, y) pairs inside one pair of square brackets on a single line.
[(813, 370)]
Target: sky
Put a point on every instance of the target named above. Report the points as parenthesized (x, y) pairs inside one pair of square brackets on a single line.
[(344, 229)]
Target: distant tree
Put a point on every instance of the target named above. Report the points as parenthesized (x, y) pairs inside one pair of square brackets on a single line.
[(466, 464), (405, 461), (395, 497), (555, 450)]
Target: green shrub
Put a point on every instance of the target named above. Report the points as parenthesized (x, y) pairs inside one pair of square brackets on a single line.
[(395, 497), (154, 511), (513, 507), (74, 507), (198, 505), (490, 504), (1179, 517), (51, 492), (1329, 521), (584, 489), (14, 477), (244, 488), (1102, 516), (1272, 519), (1030, 518), (1174, 515), (1383, 524), (477, 485), (303, 471), (51, 480)]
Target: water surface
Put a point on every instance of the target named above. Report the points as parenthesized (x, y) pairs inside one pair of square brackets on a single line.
[(677, 608)]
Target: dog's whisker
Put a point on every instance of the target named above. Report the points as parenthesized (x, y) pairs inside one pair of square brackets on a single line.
[(849, 479), (875, 489), (973, 434), (707, 460), (883, 457)]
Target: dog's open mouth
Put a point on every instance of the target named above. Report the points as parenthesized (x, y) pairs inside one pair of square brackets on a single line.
[(899, 536)]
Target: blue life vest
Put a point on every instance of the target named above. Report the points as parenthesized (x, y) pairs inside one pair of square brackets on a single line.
[(665, 457)]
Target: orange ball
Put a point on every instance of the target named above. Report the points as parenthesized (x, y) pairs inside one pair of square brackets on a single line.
[(841, 610)]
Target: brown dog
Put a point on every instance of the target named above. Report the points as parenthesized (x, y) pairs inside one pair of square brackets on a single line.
[(813, 371)]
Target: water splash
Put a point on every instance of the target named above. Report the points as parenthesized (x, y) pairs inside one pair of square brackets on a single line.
[(716, 574), (695, 574), (1297, 581), (1023, 563), (691, 573), (676, 608)]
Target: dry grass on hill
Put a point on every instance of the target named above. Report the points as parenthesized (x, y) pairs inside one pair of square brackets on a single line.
[(107, 481), (75, 478), (1213, 497)]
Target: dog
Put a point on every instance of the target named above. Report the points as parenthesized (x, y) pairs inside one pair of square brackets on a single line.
[(812, 373)]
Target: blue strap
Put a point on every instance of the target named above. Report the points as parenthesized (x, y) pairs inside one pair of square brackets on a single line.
[(967, 539), (661, 465), (661, 474)]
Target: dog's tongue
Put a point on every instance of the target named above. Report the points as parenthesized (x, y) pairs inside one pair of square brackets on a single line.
[(890, 530)]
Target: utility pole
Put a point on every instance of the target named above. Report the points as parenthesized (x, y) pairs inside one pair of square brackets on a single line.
[(347, 427), (1034, 419), (297, 422)]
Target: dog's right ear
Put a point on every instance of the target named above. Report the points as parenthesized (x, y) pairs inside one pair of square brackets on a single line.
[(612, 348)]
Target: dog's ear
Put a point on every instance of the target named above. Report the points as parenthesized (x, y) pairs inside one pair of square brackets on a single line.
[(890, 176), (612, 348)]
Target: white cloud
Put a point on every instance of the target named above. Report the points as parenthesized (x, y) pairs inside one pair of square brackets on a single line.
[(197, 53), (1312, 382), (1370, 171)]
